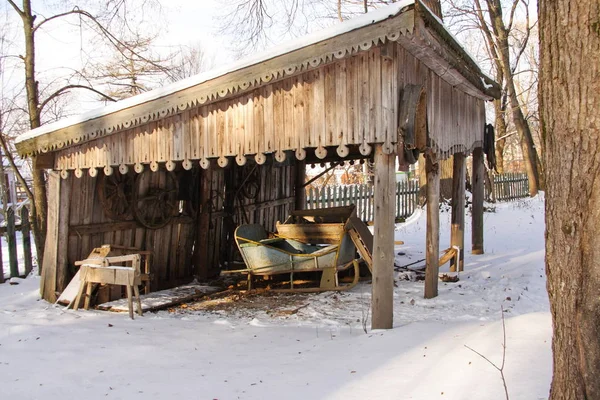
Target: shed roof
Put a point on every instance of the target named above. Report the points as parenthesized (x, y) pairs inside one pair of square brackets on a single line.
[(339, 41)]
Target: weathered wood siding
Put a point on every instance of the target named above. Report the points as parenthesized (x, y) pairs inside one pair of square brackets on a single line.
[(353, 101), (455, 119), (231, 207), (89, 227), (275, 197), (173, 245)]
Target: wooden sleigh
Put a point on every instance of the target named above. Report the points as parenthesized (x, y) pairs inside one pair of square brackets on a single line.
[(264, 255)]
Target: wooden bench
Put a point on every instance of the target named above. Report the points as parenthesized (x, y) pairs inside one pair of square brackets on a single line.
[(104, 271)]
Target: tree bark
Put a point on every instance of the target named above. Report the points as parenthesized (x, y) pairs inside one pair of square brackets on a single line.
[(530, 156), (500, 127), (33, 104), (569, 96)]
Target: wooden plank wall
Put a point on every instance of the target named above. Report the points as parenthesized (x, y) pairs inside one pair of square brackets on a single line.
[(275, 197), (455, 119), (352, 101), (274, 201), (172, 244), (346, 102)]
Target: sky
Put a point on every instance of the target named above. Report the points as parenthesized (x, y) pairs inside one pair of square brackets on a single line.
[(63, 47)]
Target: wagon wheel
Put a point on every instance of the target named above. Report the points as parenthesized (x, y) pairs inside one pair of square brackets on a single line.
[(155, 201), (250, 181), (116, 195)]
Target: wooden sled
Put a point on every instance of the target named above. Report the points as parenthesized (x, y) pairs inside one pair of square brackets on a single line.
[(329, 225), (272, 256)]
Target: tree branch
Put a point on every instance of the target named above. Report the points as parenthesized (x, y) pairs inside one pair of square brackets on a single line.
[(11, 161), (42, 22), (66, 88), (116, 42), (513, 9), (501, 367), (525, 41), (17, 9)]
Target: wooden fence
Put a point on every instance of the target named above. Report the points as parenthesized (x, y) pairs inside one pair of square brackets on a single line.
[(507, 187), (510, 186), (8, 235), (362, 196)]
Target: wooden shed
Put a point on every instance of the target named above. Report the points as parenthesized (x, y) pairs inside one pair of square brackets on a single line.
[(176, 169)]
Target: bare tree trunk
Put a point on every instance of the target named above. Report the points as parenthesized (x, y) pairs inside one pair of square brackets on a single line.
[(526, 139), (33, 105), (569, 97), (40, 211), (500, 128)]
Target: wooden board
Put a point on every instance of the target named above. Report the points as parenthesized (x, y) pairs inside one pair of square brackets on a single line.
[(312, 233), (70, 292), (363, 239), (382, 301), (433, 228), (163, 298)]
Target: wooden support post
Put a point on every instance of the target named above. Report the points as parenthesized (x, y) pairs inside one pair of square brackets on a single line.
[(54, 269), (12, 188), (478, 177), (129, 300), (1, 263), (26, 237), (62, 260), (433, 227), (11, 239), (300, 191), (457, 237), (201, 249), (382, 301)]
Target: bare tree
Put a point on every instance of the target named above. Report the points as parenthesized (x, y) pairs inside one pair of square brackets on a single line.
[(133, 68), (109, 24), (506, 42), (189, 61), (255, 22), (569, 102)]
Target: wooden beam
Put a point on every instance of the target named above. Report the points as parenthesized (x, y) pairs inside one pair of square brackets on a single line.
[(25, 231), (44, 160), (48, 279), (11, 240), (478, 179), (457, 234), (200, 258), (300, 190), (382, 300), (62, 258), (103, 227), (55, 273), (433, 227), (90, 229)]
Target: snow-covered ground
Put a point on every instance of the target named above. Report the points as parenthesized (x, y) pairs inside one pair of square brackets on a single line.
[(305, 346)]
